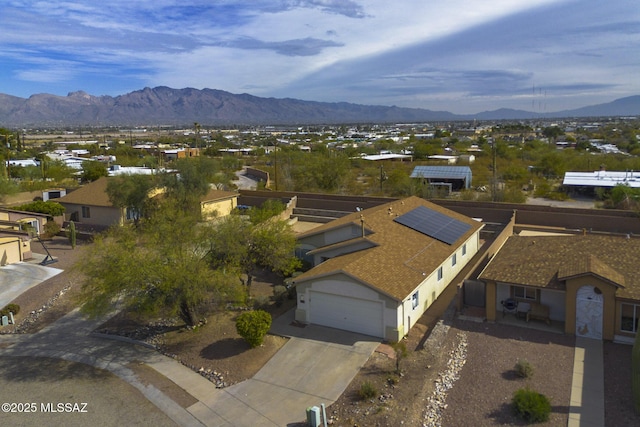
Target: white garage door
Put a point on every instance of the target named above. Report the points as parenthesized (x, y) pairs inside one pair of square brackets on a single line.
[(351, 314)]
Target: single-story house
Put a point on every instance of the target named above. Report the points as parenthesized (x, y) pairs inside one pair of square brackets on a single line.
[(588, 282), (90, 208), (16, 232), (218, 203), (377, 271)]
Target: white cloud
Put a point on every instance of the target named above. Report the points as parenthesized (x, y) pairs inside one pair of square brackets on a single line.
[(409, 52)]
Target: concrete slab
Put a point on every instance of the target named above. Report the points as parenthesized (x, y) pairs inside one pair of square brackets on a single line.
[(586, 408), (18, 278), (314, 367)]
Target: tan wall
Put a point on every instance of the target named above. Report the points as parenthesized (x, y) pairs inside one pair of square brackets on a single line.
[(490, 290), (219, 208), (10, 250), (258, 174), (609, 305), (99, 215)]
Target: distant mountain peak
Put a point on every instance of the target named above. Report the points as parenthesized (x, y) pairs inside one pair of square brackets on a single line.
[(151, 106)]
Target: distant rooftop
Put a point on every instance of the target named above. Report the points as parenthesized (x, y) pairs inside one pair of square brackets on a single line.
[(602, 179)]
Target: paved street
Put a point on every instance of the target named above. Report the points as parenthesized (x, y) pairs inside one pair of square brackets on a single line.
[(310, 369), (17, 278)]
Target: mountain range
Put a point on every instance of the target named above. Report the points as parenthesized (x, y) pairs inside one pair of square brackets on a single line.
[(167, 106)]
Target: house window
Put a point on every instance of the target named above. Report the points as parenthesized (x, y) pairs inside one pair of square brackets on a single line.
[(86, 212), (439, 273), (629, 317), (454, 260), (414, 300), (525, 293), (464, 249)]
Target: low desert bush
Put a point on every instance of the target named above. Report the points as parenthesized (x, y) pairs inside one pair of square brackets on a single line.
[(13, 308), (367, 391), (524, 369), (51, 228), (531, 406), (253, 326)]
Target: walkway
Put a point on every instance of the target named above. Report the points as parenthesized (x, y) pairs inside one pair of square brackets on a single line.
[(587, 387), (310, 369)]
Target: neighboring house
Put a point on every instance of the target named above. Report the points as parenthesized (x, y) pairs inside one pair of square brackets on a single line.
[(15, 237), (90, 208), (23, 220), (376, 271), (179, 153), (218, 203), (588, 282)]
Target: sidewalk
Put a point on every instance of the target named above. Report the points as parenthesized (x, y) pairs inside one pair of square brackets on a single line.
[(312, 368), (587, 386)]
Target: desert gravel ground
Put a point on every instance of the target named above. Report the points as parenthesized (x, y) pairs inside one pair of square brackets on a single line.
[(482, 395)]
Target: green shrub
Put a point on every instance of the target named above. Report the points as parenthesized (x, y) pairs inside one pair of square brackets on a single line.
[(367, 391), (261, 301), (13, 308), (51, 228), (253, 326), (49, 207), (531, 406), (524, 369)]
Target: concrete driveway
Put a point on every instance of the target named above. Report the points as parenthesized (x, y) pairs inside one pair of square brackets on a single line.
[(315, 366), (18, 278)]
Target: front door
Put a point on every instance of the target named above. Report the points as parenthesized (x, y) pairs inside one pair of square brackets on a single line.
[(589, 310)]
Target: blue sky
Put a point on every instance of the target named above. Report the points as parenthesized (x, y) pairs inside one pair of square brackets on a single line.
[(463, 56)]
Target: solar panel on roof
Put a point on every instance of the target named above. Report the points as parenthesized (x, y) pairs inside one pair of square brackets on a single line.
[(434, 224)]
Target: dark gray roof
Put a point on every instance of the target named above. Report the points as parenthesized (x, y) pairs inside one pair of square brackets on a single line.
[(442, 172)]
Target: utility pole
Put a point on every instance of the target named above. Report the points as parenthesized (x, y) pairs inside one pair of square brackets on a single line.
[(383, 177), (275, 163), (494, 186)]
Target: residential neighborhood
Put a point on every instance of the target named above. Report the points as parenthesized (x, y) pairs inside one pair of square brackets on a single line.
[(420, 255)]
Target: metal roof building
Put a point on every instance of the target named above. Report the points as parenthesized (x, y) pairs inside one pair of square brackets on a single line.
[(458, 176), (602, 179)]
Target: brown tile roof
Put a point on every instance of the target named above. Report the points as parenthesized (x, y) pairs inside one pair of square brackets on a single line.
[(92, 194), (401, 258), (590, 265), (545, 261), (215, 194), (95, 194)]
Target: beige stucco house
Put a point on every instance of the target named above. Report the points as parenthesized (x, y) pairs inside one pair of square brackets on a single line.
[(90, 208), (16, 231), (376, 271), (218, 203), (588, 283)]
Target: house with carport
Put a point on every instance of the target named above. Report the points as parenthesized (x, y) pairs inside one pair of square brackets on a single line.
[(376, 271), (588, 284)]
